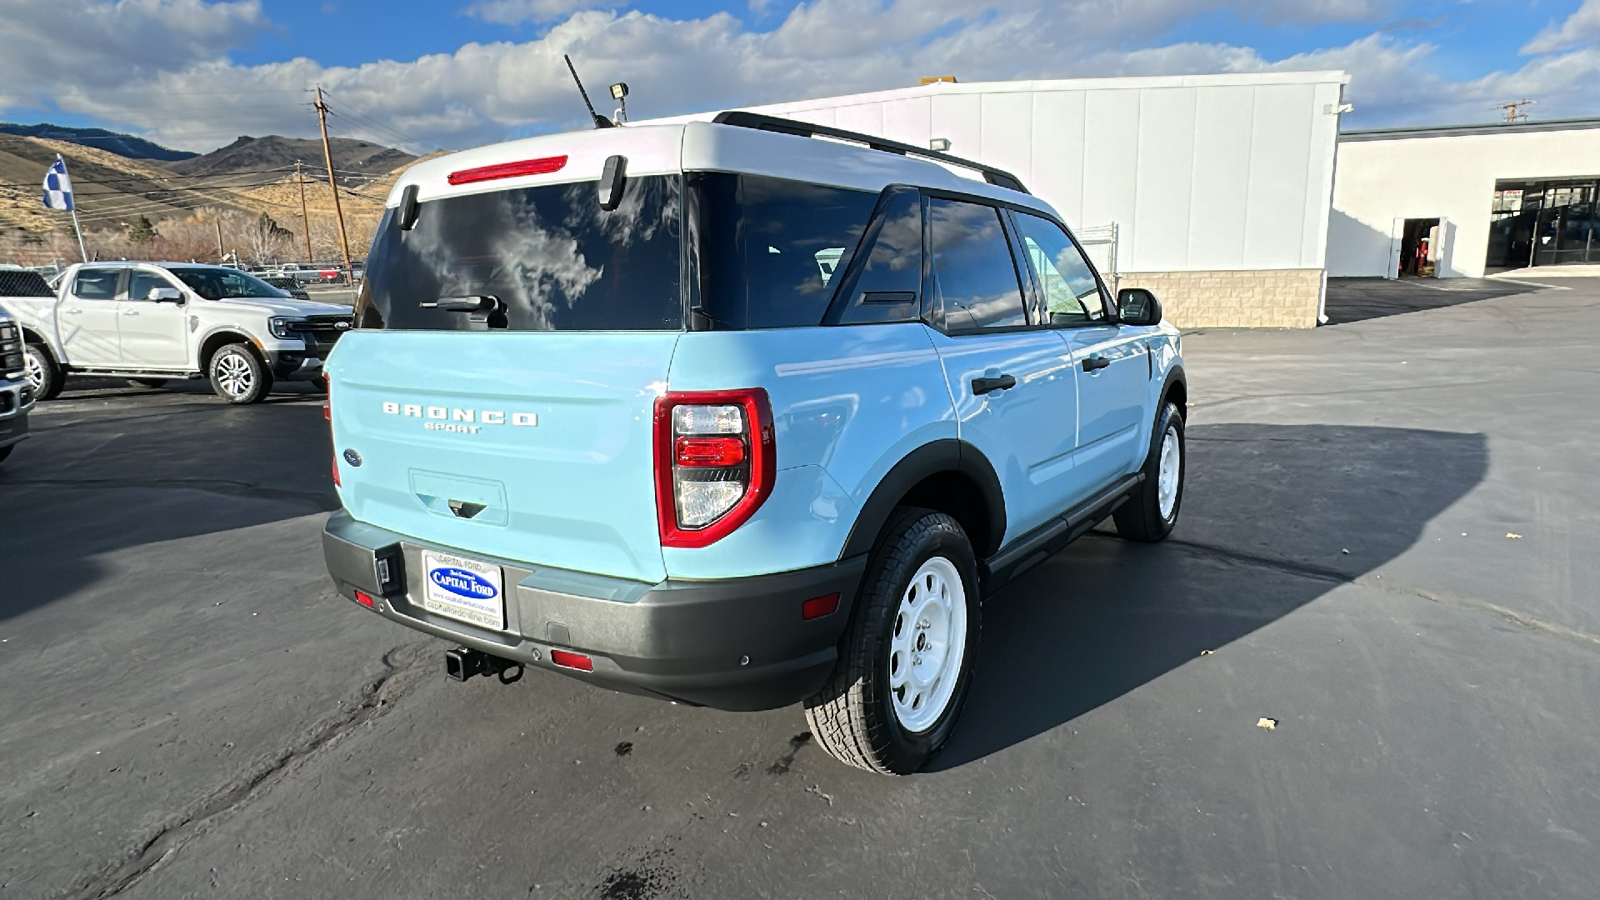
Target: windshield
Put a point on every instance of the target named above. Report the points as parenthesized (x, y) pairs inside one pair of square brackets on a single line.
[(223, 284), (543, 258)]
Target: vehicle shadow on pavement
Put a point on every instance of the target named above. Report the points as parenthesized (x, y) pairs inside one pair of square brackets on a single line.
[(89, 484), (1358, 299), (1273, 517)]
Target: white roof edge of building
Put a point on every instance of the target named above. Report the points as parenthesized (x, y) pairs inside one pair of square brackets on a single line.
[(1135, 82)]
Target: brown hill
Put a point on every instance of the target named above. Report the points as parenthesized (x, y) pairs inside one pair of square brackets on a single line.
[(356, 161)]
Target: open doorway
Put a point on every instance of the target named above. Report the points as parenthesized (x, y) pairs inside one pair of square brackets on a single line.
[(1419, 250)]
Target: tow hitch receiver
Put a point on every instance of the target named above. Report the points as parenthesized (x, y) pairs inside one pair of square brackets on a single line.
[(464, 662)]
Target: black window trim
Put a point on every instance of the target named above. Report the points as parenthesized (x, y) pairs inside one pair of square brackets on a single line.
[(933, 314)]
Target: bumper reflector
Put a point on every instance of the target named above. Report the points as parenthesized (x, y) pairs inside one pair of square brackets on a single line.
[(364, 598), (817, 607), (569, 660)]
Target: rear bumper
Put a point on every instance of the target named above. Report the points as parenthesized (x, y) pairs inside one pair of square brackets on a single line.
[(736, 644), (16, 398)]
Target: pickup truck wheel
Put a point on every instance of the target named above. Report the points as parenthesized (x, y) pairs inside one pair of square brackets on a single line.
[(238, 375), (43, 373), (6, 451), (1152, 510), (906, 661)]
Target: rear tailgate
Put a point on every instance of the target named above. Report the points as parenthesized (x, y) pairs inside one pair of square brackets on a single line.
[(530, 446)]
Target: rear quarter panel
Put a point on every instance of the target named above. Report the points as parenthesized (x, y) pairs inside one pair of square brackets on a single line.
[(847, 404)]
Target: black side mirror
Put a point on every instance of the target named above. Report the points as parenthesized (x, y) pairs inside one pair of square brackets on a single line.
[(1137, 306)]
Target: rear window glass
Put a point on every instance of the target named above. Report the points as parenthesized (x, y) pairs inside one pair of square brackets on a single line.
[(543, 258), (769, 248), (23, 284)]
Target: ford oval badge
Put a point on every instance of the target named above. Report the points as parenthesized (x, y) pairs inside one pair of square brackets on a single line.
[(463, 582), (353, 458)]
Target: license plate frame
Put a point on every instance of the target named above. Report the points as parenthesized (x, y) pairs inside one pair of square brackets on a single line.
[(464, 589)]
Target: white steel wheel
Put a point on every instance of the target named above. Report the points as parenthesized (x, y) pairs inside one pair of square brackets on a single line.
[(1169, 469), (928, 645)]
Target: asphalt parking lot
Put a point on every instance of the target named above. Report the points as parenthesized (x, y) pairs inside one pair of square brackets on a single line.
[(1387, 546)]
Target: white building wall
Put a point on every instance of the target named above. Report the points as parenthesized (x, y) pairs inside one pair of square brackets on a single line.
[(1201, 173), (1449, 177)]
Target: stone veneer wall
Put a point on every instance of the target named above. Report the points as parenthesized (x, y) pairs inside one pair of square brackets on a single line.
[(1272, 298)]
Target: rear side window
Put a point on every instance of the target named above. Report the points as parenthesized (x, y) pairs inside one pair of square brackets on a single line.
[(769, 249), (891, 275), (973, 267), (96, 284), (23, 284), (544, 258)]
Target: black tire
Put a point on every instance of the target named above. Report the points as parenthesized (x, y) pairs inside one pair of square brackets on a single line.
[(320, 384), (238, 375), (1141, 518), (150, 382), (6, 451), (51, 379), (854, 717)]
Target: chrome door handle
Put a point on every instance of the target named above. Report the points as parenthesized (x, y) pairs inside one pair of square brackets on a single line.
[(72, 312), (130, 312)]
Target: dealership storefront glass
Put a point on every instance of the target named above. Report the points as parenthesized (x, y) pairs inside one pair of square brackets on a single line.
[(1544, 223)]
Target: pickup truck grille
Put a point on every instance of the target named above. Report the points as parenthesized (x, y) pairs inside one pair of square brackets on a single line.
[(10, 351), (325, 331)]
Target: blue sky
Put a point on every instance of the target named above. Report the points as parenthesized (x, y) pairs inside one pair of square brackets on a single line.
[(451, 73)]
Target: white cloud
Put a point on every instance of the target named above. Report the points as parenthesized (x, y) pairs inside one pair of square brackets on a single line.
[(515, 12), (484, 92), (86, 44), (1582, 26)]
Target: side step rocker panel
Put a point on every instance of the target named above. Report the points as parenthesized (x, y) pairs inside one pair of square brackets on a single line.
[(1039, 544)]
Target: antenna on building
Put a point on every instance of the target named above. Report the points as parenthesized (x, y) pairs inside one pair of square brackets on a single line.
[(1512, 116)]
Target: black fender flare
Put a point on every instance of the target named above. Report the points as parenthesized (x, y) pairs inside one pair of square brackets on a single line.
[(1176, 376), (933, 458)]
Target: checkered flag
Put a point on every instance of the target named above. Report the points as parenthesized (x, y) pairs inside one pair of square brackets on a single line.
[(58, 186)]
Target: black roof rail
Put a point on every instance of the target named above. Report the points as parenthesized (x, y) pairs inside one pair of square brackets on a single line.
[(743, 119)]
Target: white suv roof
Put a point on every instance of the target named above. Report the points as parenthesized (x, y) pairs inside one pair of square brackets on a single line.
[(698, 147)]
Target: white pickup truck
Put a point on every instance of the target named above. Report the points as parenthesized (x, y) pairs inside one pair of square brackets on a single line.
[(153, 322)]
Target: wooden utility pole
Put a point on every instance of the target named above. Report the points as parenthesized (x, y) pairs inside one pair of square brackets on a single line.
[(338, 212), (220, 252), (305, 221)]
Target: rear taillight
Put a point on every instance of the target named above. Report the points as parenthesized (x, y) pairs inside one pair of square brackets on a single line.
[(715, 463), (327, 416)]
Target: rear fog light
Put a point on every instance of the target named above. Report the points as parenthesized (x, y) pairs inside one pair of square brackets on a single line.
[(569, 660)]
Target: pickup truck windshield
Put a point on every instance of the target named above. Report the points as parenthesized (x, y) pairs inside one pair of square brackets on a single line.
[(222, 284), (544, 258)]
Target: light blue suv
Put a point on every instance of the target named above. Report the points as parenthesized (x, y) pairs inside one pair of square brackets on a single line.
[(738, 413)]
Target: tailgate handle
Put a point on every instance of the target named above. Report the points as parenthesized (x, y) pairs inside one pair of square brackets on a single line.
[(465, 510)]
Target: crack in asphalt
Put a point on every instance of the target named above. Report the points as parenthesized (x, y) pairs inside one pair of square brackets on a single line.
[(225, 487), (377, 699), (1525, 621)]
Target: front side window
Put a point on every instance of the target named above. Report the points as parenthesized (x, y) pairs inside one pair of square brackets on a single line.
[(1071, 292), (973, 269), (541, 258), (769, 248), (140, 284), (222, 284), (96, 284)]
